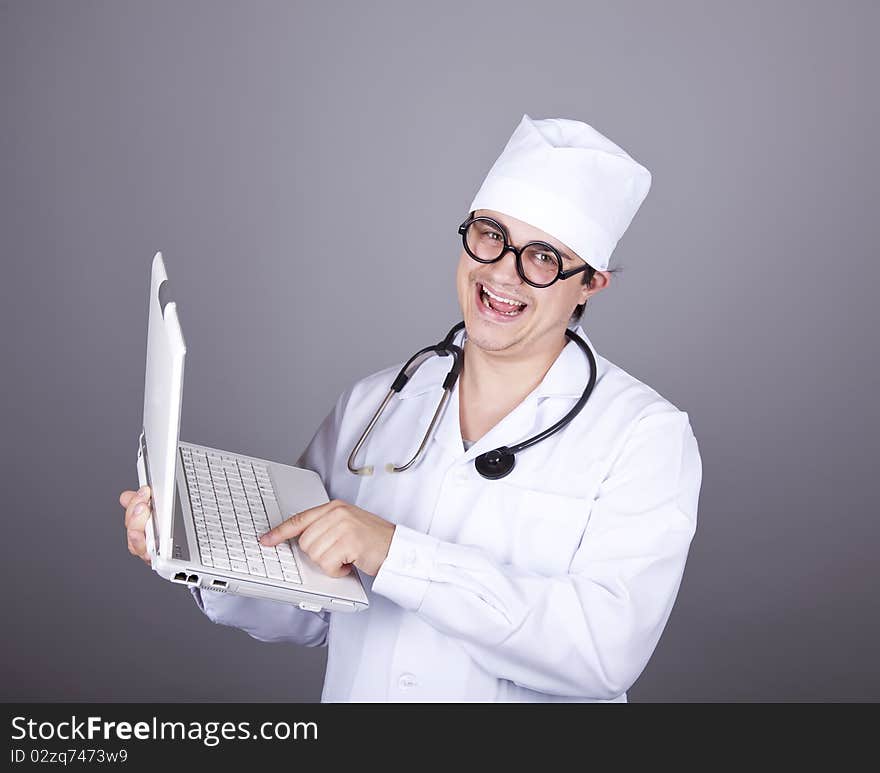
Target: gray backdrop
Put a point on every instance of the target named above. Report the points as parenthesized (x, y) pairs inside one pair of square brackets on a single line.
[(275, 151)]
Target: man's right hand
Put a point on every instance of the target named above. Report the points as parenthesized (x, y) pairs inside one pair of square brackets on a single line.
[(137, 513)]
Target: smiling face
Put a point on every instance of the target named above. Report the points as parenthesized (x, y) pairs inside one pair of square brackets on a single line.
[(542, 321)]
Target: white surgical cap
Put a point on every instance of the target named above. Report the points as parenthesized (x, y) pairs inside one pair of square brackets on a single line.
[(567, 179)]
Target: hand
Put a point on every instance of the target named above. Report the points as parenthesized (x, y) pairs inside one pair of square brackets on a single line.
[(336, 536), (137, 512)]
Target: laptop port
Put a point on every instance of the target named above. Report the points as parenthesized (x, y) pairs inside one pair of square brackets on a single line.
[(186, 579), (220, 583)]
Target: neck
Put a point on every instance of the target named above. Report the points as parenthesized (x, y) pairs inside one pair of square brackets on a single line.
[(494, 383)]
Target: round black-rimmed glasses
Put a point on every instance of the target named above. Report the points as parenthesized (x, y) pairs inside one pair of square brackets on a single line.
[(537, 263)]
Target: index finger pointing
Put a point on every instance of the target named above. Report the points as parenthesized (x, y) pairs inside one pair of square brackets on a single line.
[(294, 525)]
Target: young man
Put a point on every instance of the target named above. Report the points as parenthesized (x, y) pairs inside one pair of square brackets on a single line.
[(553, 583)]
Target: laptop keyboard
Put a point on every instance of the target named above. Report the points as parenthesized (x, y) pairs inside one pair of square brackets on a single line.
[(231, 500)]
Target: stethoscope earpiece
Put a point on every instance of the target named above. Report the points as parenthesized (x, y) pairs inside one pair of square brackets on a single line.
[(496, 463)]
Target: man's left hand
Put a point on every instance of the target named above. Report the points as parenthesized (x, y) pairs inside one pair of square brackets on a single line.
[(337, 536)]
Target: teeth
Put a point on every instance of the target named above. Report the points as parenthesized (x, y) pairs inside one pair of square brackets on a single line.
[(486, 304), (499, 298)]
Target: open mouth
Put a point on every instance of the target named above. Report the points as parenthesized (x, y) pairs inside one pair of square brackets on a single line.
[(498, 303)]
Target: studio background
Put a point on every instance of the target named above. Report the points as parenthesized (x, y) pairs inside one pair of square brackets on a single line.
[(304, 167)]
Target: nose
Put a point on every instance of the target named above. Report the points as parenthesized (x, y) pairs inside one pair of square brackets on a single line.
[(504, 270)]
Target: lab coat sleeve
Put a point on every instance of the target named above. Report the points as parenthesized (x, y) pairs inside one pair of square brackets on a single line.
[(275, 621), (589, 632), (264, 619)]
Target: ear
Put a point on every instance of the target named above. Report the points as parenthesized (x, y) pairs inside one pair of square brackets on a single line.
[(600, 280)]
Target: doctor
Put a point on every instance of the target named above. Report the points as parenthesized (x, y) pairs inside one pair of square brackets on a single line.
[(555, 582)]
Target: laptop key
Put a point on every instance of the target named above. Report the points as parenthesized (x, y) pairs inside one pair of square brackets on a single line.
[(274, 572), (290, 576)]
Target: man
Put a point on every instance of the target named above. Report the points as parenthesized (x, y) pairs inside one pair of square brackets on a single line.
[(555, 582)]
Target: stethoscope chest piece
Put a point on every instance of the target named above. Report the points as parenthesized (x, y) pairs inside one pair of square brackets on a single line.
[(496, 463)]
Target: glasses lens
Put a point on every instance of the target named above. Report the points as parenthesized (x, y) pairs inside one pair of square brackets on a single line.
[(540, 264), (484, 240)]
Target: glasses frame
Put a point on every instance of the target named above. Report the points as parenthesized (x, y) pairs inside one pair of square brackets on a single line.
[(508, 247)]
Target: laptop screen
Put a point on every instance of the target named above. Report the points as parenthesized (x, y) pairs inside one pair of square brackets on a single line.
[(163, 396)]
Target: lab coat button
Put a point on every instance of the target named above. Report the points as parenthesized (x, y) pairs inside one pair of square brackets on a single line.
[(407, 681), (411, 558)]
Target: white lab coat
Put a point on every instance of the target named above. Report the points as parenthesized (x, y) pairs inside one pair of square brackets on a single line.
[(551, 584)]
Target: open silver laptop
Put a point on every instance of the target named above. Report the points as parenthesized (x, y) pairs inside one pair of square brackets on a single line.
[(210, 506)]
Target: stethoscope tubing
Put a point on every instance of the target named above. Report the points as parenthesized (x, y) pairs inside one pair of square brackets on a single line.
[(493, 464)]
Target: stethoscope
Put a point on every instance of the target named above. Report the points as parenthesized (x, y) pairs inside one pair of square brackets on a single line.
[(493, 464)]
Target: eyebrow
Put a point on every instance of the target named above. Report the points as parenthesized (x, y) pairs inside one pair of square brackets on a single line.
[(562, 252)]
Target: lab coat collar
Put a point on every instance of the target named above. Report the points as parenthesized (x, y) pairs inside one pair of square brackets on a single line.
[(566, 378)]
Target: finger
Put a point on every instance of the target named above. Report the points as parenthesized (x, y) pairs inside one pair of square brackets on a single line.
[(126, 496), (136, 550), (140, 500), (335, 560), (315, 531), (294, 525), (137, 515), (315, 546), (137, 546), (137, 543), (137, 498)]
